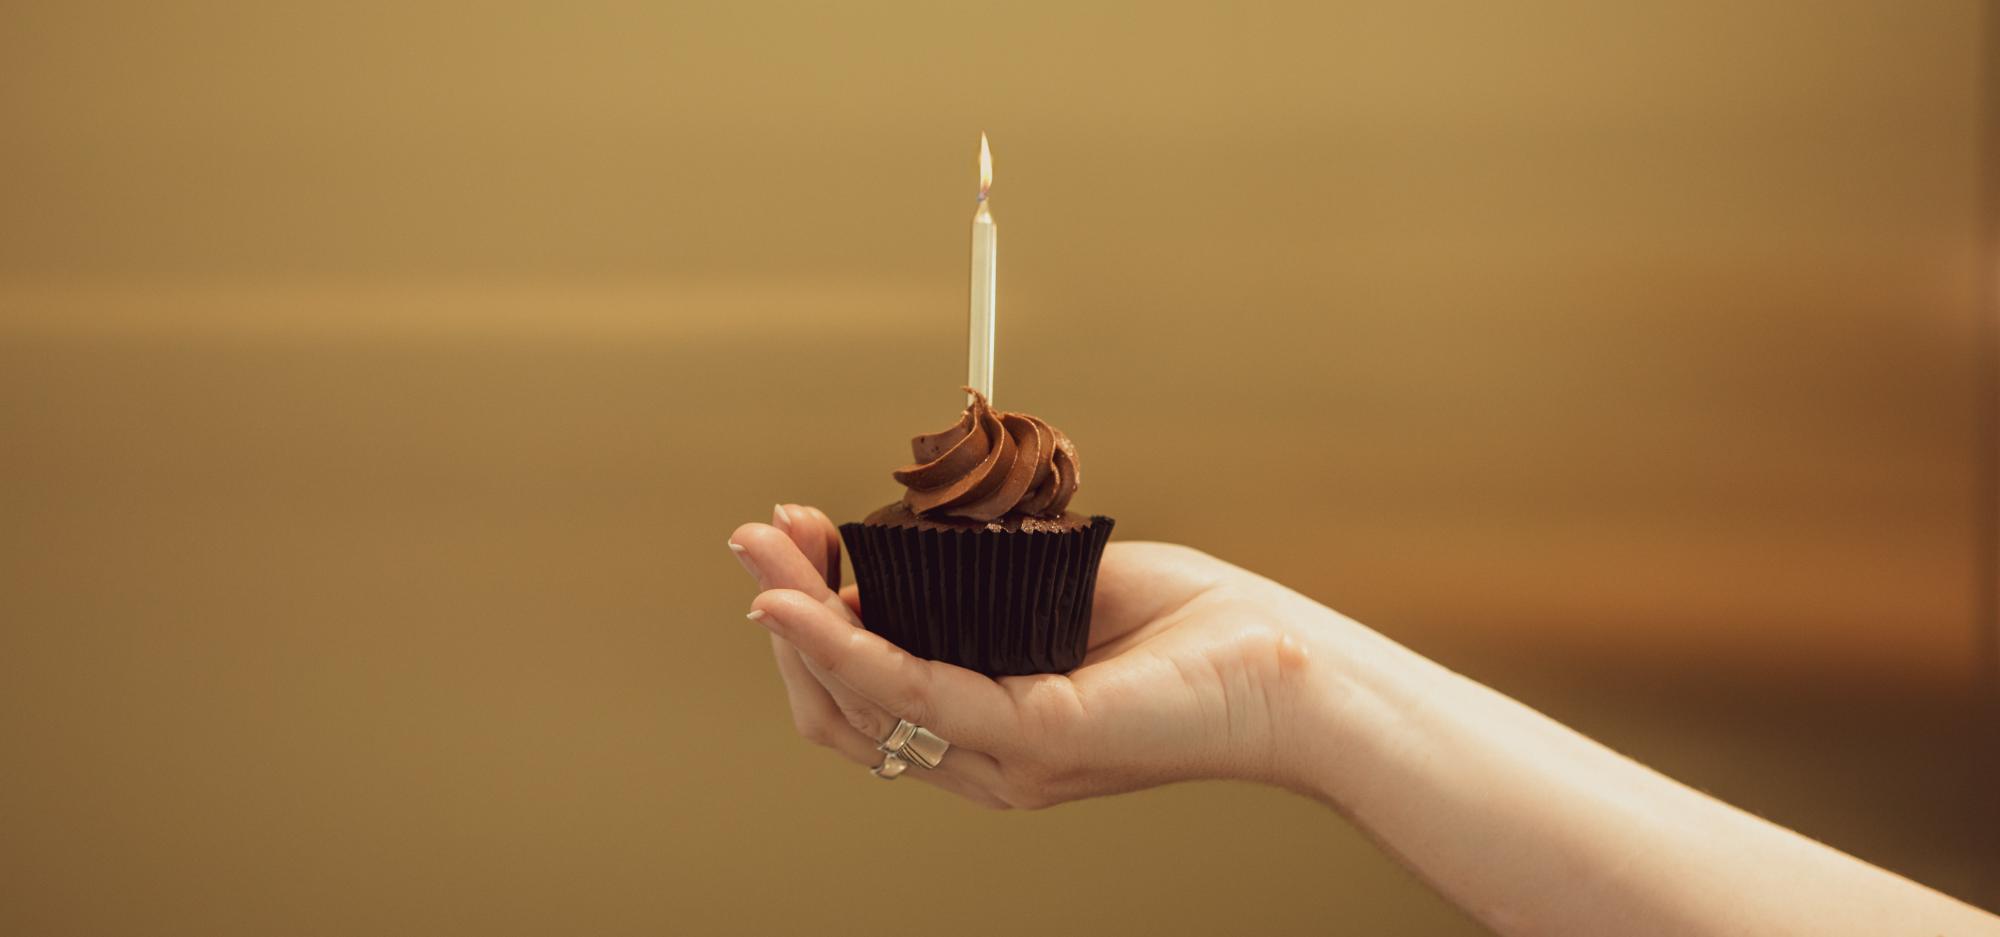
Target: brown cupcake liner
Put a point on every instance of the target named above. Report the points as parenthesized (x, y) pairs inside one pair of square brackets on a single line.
[(1001, 603)]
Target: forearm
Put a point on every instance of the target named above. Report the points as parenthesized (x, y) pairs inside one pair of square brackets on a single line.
[(1535, 829)]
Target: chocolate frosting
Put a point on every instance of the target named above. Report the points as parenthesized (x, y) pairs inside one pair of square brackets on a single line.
[(989, 464)]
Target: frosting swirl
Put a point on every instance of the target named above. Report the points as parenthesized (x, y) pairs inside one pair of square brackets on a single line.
[(989, 464)]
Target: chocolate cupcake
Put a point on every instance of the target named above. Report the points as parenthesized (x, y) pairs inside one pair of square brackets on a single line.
[(981, 563)]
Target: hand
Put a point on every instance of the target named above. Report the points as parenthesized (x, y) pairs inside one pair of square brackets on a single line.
[(1198, 669), (1194, 671)]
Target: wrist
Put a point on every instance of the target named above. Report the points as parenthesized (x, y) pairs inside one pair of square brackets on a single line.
[(1343, 706)]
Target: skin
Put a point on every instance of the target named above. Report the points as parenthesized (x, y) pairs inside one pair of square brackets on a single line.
[(1198, 669)]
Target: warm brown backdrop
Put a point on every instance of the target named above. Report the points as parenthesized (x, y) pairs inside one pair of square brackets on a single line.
[(379, 381)]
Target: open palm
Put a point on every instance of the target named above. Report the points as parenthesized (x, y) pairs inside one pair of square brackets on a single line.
[(1189, 657)]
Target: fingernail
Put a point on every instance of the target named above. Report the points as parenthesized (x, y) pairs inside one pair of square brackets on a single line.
[(780, 518), (743, 557), (771, 623)]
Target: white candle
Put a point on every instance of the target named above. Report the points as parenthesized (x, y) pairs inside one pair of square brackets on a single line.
[(985, 283)]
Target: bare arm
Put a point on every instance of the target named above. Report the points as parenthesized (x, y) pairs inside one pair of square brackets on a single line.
[(1535, 829)]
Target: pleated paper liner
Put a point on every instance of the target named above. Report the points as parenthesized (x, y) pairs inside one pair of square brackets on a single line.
[(998, 602)]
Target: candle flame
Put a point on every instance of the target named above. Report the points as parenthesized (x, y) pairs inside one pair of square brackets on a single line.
[(985, 168)]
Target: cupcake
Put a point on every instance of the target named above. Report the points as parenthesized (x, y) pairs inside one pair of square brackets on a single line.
[(981, 563)]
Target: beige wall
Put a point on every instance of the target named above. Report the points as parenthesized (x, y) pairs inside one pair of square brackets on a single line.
[(377, 384)]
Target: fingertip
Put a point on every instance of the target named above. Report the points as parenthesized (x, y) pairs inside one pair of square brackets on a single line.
[(758, 538), (745, 534), (798, 523), (784, 611)]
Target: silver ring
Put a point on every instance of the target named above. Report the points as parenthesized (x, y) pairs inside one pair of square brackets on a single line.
[(898, 737), (892, 765), (916, 744)]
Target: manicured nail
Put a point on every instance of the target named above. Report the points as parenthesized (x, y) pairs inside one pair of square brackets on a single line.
[(770, 622), (780, 518), (742, 554)]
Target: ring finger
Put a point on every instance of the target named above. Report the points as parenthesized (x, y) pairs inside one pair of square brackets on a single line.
[(968, 774)]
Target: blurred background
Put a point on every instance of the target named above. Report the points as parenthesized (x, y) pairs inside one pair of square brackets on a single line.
[(379, 382)]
